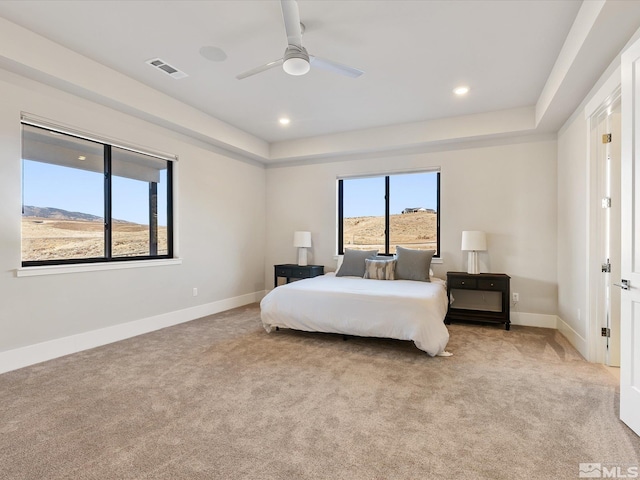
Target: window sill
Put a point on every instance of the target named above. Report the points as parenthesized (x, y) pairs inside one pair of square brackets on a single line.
[(92, 267)]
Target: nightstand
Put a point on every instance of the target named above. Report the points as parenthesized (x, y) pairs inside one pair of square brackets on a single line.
[(290, 271), (483, 282)]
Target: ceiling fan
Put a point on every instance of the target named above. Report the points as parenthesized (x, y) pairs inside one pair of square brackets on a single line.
[(296, 60)]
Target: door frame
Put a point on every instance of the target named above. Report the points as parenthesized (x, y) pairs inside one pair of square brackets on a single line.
[(597, 345), (607, 95)]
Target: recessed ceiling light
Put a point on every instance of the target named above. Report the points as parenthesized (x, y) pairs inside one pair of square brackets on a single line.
[(461, 90), (284, 121), (82, 157)]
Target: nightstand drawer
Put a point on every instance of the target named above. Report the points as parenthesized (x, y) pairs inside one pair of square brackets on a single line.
[(491, 284), (284, 272), (463, 283), (296, 272)]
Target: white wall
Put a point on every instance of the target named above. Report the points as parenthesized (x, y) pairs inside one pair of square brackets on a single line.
[(508, 190), (573, 203), (219, 213)]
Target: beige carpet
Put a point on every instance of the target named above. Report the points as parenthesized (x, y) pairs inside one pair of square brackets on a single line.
[(219, 398)]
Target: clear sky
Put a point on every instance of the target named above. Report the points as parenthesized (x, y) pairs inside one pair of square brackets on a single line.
[(364, 197), (75, 190)]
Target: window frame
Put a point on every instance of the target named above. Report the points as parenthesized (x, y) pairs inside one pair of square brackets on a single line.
[(107, 146), (387, 196)]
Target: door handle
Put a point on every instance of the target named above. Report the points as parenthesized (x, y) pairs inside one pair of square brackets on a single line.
[(624, 284)]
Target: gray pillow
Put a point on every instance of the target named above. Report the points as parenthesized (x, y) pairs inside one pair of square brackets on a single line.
[(413, 264), (353, 262)]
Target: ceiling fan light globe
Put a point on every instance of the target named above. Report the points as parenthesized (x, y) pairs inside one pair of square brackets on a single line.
[(296, 66)]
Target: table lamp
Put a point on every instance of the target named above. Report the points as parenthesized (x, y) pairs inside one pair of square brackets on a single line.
[(473, 242), (302, 240)]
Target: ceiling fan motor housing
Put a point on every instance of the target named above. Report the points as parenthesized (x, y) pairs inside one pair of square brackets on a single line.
[(296, 60)]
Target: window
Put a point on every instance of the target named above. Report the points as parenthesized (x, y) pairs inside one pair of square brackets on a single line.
[(386, 211), (89, 201)]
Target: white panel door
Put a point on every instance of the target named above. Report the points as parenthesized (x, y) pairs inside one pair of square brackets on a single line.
[(630, 229)]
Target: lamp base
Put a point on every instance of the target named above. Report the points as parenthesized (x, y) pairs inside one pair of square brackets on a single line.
[(472, 263), (302, 257)]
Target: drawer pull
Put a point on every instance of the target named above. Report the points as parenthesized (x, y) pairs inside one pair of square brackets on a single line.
[(462, 283)]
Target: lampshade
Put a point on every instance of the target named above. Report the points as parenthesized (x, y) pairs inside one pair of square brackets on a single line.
[(302, 239), (473, 240)]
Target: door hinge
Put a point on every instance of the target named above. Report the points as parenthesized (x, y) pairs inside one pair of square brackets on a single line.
[(606, 267), (606, 332), (606, 138), (606, 202)]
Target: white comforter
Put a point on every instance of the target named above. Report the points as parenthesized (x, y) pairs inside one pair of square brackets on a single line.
[(401, 309)]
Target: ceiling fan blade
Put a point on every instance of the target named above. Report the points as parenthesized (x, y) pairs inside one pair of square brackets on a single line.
[(324, 64), (260, 69), (291, 16)]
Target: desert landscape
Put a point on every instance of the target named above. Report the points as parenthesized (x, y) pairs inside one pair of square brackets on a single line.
[(54, 234), (45, 238), (412, 230)]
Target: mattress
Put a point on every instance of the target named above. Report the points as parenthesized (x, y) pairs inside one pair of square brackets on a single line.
[(400, 309)]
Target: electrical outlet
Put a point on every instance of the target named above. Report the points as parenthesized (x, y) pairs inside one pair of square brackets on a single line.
[(516, 297), (195, 292)]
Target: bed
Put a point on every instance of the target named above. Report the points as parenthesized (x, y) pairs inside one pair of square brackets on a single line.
[(352, 305)]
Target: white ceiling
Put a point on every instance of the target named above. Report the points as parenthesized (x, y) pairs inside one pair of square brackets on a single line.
[(413, 52)]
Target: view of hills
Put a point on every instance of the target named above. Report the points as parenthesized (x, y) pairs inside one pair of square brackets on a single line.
[(413, 230), (54, 234), (60, 214)]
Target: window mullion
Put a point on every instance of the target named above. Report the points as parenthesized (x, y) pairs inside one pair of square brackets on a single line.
[(153, 219), (438, 216), (386, 215), (170, 209), (340, 218), (107, 203)]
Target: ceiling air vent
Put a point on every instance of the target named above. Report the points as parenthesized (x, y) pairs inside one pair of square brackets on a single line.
[(166, 68)]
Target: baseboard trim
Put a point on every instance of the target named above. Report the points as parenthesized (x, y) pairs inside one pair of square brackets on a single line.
[(41, 352), (575, 339), (534, 320)]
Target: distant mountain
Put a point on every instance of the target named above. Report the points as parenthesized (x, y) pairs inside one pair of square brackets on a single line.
[(60, 214)]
